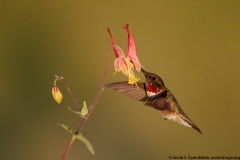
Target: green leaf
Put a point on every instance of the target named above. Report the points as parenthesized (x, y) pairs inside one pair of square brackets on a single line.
[(79, 113), (86, 142), (66, 128), (84, 110)]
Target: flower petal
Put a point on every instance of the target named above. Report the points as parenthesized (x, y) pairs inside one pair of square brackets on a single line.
[(121, 66), (131, 50), (115, 48), (116, 65), (57, 95), (136, 62)]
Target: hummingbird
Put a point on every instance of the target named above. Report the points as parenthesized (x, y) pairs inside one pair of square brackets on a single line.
[(155, 94)]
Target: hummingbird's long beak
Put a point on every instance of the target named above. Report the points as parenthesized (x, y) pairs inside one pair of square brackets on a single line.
[(146, 75), (144, 72)]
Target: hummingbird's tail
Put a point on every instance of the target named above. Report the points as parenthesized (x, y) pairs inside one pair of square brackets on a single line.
[(193, 125), (196, 128)]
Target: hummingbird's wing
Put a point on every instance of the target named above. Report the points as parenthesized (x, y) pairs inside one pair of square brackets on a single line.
[(159, 101), (136, 92)]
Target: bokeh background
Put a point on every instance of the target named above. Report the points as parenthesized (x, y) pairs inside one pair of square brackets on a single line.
[(193, 45)]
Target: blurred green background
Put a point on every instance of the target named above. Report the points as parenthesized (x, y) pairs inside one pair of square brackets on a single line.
[(193, 45)]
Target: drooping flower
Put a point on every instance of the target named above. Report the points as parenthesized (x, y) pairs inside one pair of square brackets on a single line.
[(56, 93), (126, 63), (131, 50), (116, 49)]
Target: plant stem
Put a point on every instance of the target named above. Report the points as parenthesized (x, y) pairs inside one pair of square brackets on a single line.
[(81, 125), (93, 106), (69, 90), (101, 86), (91, 109), (68, 147)]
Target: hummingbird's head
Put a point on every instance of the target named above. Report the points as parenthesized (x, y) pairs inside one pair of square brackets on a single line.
[(153, 81)]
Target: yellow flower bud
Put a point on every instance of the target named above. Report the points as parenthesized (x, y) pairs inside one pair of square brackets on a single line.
[(57, 95)]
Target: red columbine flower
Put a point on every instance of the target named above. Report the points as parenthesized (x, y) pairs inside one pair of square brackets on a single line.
[(126, 63)]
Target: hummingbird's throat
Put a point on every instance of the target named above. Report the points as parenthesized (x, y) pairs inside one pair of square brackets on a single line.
[(152, 90)]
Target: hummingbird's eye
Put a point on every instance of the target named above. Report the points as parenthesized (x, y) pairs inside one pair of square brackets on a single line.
[(153, 78)]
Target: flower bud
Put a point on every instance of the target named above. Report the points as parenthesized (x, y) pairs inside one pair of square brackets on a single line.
[(57, 95)]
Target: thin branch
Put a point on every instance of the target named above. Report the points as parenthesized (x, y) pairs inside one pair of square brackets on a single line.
[(81, 125), (101, 86), (91, 109), (68, 147), (69, 90), (93, 106)]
